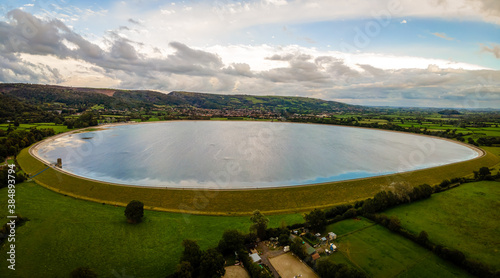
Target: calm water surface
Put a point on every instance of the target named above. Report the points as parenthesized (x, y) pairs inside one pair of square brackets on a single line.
[(213, 154)]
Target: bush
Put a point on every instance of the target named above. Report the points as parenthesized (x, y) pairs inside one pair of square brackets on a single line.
[(134, 211), (83, 272), (445, 183), (350, 213)]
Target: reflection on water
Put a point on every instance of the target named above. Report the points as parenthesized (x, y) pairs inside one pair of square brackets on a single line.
[(244, 154)]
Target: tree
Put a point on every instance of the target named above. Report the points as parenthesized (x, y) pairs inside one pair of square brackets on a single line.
[(192, 252), (423, 237), (484, 172), (316, 220), (298, 248), (184, 270), (212, 264), (325, 268), (259, 224), (134, 211), (394, 224), (284, 239), (83, 272), (232, 241)]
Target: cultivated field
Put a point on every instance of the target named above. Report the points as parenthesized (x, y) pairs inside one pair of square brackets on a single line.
[(242, 202), (465, 218), (378, 252), (288, 265), (64, 233)]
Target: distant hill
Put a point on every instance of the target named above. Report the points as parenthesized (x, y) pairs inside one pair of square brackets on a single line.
[(33, 94), (449, 112), (290, 104)]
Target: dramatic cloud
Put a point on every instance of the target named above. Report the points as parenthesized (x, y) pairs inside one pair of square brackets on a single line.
[(132, 54)]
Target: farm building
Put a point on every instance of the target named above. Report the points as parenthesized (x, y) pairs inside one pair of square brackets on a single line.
[(333, 247), (255, 258), (332, 236), (310, 250)]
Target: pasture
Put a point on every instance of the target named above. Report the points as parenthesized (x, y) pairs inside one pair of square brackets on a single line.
[(64, 233), (57, 128), (378, 252), (465, 218)]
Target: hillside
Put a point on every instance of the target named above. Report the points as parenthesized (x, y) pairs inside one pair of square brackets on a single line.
[(279, 103), (72, 97)]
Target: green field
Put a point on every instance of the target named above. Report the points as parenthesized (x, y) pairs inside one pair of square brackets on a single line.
[(57, 128), (64, 233), (465, 218), (378, 252)]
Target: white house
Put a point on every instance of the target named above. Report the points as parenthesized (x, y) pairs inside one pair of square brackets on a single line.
[(332, 235), (333, 247), (255, 257)]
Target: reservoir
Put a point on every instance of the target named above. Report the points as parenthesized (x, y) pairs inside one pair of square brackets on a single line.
[(243, 154)]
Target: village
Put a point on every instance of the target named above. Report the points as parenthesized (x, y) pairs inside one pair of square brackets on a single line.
[(281, 261)]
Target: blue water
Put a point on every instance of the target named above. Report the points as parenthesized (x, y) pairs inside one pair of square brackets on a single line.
[(221, 154)]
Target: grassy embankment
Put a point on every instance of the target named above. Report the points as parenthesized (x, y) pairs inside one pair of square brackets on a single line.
[(378, 252), (465, 218), (242, 202), (64, 233)]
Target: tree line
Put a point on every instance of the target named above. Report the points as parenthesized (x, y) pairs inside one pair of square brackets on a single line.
[(15, 140)]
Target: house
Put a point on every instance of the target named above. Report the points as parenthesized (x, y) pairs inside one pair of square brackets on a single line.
[(332, 235), (333, 247), (255, 258), (310, 250), (315, 256), (323, 239)]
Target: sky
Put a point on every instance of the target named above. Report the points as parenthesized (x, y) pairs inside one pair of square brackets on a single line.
[(427, 53)]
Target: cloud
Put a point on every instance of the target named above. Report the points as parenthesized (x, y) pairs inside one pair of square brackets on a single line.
[(488, 7), (133, 21), (443, 36), (122, 49), (48, 51), (495, 49), (403, 21)]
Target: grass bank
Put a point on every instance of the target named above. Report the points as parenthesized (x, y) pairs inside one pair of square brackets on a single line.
[(242, 202), (64, 233)]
